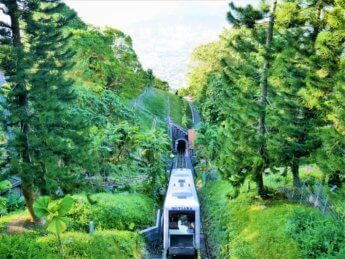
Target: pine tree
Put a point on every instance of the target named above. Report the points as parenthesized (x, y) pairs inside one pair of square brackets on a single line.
[(325, 91), (239, 155), (57, 132), (15, 64), (293, 125), (49, 140), (246, 17)]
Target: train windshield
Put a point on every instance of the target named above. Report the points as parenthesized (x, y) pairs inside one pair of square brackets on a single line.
[(182, 222)]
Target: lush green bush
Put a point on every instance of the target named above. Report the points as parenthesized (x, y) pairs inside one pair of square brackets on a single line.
[(245, 226), (317, 235), (102, 244), (213, 199), (112, 211)]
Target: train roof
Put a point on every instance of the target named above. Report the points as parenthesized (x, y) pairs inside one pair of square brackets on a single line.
[(181, 193)]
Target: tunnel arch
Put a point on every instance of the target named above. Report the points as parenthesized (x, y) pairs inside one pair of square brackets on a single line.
[(181, 144)]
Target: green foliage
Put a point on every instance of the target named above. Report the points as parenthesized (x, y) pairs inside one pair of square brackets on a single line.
[(180, 112), (207, 142), (3, 201), (74, 78), (54, 212), (246, 227), (121, 244), (317, 236), (106, 59), (213, 198), (3, 207), (246, 16), (112, 211), (4, 185), (304, 108), (154, 148), (14, 201)]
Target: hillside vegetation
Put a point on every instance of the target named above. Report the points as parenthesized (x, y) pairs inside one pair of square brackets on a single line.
[(69, 127), (157, 103), (270, 92)]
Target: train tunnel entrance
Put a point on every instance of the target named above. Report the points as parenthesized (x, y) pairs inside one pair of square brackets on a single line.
[(181, 147)]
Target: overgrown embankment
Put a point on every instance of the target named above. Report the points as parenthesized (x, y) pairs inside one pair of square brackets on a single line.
[(156, 103), (102, 244), (249, 227), (116, 218)]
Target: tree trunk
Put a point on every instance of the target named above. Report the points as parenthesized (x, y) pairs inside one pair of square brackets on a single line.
[(263, 102), (317, 26), (22, 102), (29, 200), (258, 177), (295, 173)]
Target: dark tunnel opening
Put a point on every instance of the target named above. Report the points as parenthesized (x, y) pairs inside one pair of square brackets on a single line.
[(181, 147)]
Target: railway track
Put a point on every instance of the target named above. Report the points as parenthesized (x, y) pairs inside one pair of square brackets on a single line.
[(181, 160)]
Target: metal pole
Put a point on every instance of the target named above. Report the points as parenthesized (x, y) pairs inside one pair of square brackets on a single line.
[(92, 227)]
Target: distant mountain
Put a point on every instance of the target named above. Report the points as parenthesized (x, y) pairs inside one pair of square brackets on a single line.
[(165, 43)]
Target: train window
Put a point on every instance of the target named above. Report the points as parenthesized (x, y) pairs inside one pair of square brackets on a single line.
[(181, 181), (183, 221)]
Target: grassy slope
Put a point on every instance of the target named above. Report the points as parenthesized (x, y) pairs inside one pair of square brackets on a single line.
[(131, 93), (310, 172), (155, 105), (178, 109), (155, 102), (246, 227)]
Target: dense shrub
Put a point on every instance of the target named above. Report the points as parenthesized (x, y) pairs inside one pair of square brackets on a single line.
[(112, 211), (245, 226), (104, 244), (317, 235), (26, 246), (213, 199)]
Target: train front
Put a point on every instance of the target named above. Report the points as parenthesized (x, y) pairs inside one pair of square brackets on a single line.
[(181, 216)]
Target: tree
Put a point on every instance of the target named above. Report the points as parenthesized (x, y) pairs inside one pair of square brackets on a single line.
[(263, 101), (325, 91), (293, 124), (14, 65), (153, 145), (49, 144), (150, 77), (207, 142)]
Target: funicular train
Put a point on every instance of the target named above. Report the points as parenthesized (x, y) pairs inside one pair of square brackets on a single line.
[(181, 212)]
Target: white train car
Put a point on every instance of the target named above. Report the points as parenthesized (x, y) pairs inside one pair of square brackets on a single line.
[(181, 215)]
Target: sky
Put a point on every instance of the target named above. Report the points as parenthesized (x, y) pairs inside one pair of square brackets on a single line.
[(164, 33)]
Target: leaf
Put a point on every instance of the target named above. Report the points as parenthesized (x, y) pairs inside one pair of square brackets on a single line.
[(3, 203), (53, 207), (57, 225), (65, 205), (5, 185), (41, 206), (131, 226)]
